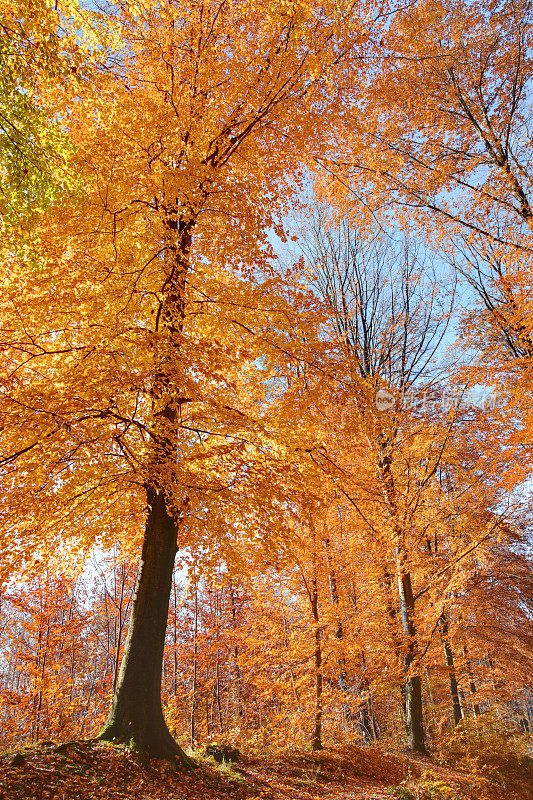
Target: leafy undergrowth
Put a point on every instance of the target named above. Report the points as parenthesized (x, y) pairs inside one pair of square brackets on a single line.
[(87, 771)]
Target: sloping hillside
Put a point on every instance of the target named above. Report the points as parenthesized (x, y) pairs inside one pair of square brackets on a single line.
[(87, 771)]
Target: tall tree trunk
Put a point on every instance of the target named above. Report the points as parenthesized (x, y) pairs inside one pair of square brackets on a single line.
[(38, 700), (414, 715), (195, 668), (219, 704), (339, 633), (471, 683), (414, 718), (316, 738), (119, 625), (366, 723), (136, 715), (448, 653), (175, 640), (387, 585), (235, 655)]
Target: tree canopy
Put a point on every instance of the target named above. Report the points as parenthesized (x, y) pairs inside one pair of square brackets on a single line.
[(240, 240)]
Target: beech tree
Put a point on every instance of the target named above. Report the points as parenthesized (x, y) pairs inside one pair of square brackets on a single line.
[(388, 333), (444, 139), (185, 137), (453, 145)]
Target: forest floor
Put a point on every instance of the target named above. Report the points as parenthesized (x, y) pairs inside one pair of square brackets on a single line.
[(88, 771)]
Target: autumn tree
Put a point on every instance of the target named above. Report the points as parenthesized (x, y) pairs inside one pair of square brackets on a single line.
[(185, 139), (40, 45), (379, 327), (386, 329), (453, 145), (444, 139)]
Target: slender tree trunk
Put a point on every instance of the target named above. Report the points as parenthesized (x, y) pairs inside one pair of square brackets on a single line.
[(471, 683), (365, 723), (212, 705), (235, 665), (207, 719), (414, 719), (219, 704), (175, 641), (387, 584), (431, 700), (120, 624), (293, 681), (42, 672), (194, 668), (464, 706), (339, 632), (454, 688), (316, 739), (414, 716)]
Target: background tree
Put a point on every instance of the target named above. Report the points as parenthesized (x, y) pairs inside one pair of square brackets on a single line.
[(41, 48), (388, 333), (444, 139)]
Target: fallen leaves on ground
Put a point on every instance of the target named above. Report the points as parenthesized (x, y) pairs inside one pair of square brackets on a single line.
[(90, 770)]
